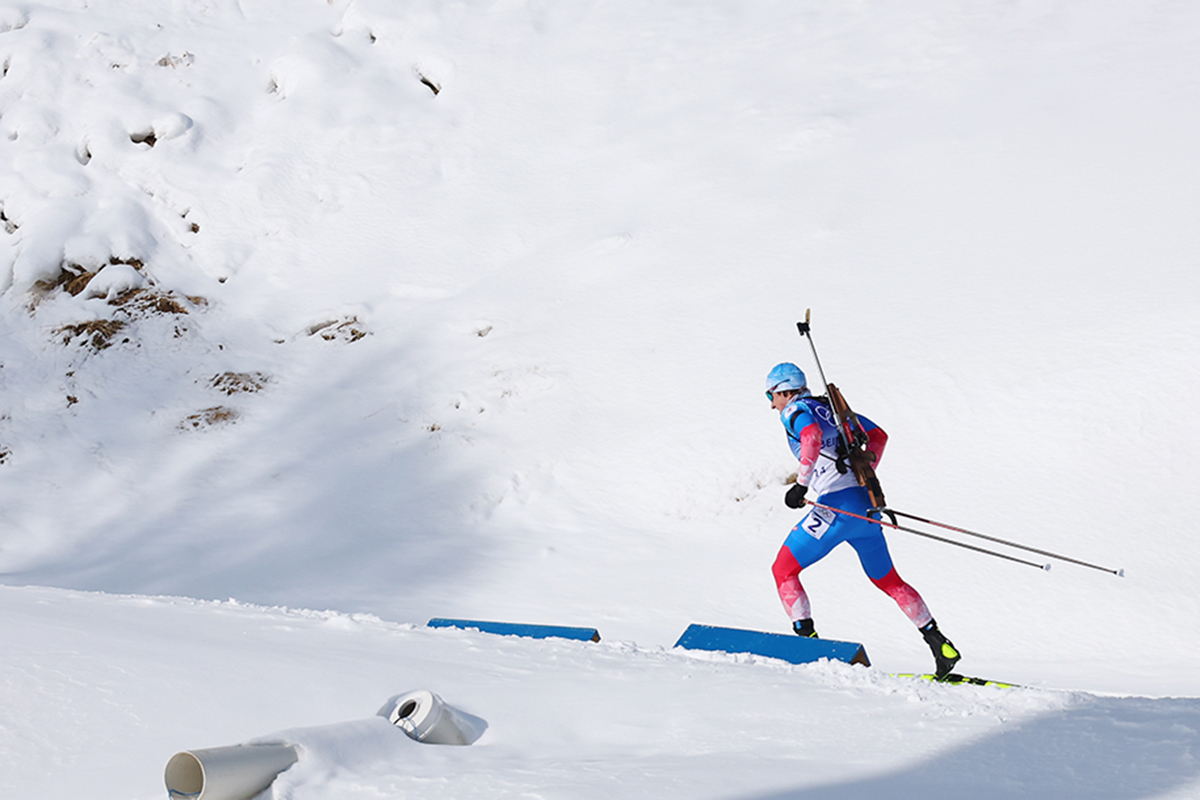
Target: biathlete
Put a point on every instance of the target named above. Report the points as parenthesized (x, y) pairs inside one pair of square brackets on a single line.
[(813, 436)]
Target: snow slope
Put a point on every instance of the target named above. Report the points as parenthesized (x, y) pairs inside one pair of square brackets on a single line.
[(497, 352), (565, 719)]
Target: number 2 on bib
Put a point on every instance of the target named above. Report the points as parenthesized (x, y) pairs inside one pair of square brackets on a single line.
[(817, 523)]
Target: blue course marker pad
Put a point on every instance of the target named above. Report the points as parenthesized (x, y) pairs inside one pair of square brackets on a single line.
[(519, 629), (792, 648)]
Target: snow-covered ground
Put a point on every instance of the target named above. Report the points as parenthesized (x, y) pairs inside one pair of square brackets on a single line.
[(464, 310)]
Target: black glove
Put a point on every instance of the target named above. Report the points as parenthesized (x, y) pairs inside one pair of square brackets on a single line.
[(795, 496)]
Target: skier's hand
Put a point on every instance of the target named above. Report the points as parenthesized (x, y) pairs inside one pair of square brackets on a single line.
[(795, 496)]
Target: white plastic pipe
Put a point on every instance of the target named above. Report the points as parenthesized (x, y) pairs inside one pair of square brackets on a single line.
[(425, 717), (226, 773)]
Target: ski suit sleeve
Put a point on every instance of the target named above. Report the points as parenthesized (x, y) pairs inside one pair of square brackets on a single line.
[(805, 434), (876, 439)]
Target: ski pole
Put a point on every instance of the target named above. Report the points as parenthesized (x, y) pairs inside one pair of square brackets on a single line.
[(1045, 567), (1120, 573), (806, 332)]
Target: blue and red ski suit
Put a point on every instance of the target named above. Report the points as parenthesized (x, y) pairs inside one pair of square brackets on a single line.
[(813, 436)]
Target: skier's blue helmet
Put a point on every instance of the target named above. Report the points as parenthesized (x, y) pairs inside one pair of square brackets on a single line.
[(785, 376)]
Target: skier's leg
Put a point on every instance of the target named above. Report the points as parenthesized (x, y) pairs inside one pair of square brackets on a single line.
[(906, 597), (787, 579), (877, 563), (809, 542)]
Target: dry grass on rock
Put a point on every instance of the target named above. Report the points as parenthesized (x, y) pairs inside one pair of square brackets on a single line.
[(100, 334), (210, 417), (346, 329), (96, 335), (146, 302), (74, 279), (232, 383)]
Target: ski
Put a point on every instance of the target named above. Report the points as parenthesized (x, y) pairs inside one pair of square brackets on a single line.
[(956, 679)]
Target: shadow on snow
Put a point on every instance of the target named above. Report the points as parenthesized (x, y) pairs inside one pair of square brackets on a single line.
[(1101, 748)]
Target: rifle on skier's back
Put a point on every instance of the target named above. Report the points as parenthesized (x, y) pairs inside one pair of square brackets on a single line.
[(852, 437), (853, 443)]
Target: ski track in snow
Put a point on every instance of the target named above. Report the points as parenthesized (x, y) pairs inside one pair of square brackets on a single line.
[(426, 310)]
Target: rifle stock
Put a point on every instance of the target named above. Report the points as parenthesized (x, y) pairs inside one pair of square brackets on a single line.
[(855, 439)]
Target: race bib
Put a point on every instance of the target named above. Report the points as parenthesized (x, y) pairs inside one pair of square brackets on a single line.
[(817, 523)]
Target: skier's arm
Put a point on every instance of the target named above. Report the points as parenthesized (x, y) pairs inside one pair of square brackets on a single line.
[(810, 451), (876, 439), (809, 437)]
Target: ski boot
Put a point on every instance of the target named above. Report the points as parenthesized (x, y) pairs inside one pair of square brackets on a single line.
[(945, 654), (804, 627)]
